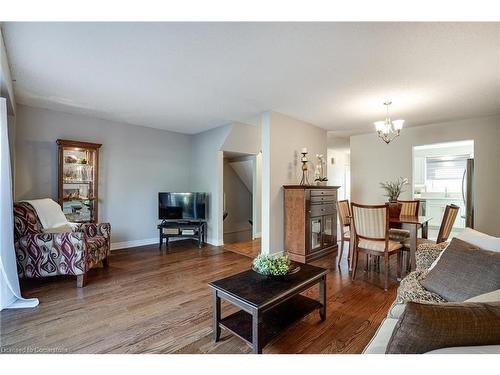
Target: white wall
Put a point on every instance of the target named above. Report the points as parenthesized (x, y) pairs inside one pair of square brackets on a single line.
[(372, 161), (282, 139), (207, 166), (246, 139), (243, 138), (207, 174), (338, 171), (445, 149), (338, 168), (257, 197), (135, 164)]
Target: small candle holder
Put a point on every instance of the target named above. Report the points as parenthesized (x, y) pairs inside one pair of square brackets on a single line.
[(303, 160)]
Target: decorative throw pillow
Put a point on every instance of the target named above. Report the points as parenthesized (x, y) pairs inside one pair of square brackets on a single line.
[(427, 253), (463, 272), (424, 327), (411, 290), (457, 243)]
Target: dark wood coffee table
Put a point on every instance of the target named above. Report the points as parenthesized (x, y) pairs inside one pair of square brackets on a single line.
[(268, 304)]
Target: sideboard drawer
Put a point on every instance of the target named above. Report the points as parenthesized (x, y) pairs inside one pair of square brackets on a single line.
[(322, 209), (323, 198), (318, 192)]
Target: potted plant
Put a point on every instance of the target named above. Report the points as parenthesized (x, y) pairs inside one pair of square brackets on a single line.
[(320, 178), (393, 190), (270, 265), (321, 181)]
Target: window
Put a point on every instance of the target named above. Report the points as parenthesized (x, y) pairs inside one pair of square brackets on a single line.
[(445, 168)]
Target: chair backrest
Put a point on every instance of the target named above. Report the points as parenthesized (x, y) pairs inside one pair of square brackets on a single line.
[(371, 222), (25, 220), (409, 208), (344, 212), (449, 217)]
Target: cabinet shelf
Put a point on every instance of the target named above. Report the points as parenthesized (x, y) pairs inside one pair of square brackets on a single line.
[(78, 164), (77, 199)]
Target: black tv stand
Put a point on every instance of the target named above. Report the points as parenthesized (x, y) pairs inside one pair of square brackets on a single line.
[(199, 228)]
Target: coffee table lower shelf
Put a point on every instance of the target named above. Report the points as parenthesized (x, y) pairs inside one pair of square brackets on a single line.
[(274, 320)]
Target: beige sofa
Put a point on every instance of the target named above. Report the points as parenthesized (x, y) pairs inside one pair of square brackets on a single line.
[(379, 342)]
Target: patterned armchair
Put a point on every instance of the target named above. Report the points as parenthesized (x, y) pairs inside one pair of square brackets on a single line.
[(42, 254)]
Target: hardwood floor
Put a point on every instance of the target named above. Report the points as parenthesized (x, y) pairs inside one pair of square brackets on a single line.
[(152, 302), (248, 248)]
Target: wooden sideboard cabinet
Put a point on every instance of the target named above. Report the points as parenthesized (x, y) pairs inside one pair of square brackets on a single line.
[(310, 221)]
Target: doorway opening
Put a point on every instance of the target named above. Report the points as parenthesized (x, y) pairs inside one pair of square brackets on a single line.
[(339, 170), (443, 174), (241, 203)]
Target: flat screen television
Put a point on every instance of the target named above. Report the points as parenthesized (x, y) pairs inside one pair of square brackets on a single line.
[(182, 206)]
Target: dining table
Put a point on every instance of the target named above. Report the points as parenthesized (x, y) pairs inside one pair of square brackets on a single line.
[(408, 222)]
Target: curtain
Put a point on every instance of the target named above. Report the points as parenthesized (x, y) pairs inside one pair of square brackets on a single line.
[(10, 293)]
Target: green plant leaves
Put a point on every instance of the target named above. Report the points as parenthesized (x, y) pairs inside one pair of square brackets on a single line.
[(394, 189), (272, 265)]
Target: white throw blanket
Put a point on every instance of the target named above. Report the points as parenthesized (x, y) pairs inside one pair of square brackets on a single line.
[(50, 214)]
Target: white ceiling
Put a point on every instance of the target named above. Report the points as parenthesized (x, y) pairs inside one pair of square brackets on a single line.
[(189, 77)]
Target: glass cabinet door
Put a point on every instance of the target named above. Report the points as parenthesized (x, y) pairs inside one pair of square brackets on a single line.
[(329, 231), (78, 180), (78, 184), (315, 230)]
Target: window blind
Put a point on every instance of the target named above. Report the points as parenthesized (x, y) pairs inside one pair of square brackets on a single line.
[(444, 168)]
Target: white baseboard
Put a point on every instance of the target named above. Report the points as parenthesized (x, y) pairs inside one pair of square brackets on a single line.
[(133, 243), (151, 241), (237, 227), (214, 242), (257, 235)]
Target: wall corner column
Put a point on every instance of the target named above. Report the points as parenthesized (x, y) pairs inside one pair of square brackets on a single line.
[(266, 183)]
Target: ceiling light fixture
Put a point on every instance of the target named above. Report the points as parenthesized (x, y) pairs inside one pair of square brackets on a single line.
[(387, 130)]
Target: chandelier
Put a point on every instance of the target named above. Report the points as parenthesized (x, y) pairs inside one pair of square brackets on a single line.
[(387, 130)]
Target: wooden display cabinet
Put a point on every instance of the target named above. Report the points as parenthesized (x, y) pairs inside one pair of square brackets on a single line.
[(310, 221), (79, 180)]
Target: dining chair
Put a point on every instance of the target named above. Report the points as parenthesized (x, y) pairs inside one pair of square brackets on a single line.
[(449, 217), (371, 232), (344, 212), (408, 208)]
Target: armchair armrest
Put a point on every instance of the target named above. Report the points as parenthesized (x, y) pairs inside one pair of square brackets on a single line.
[(92, 230)]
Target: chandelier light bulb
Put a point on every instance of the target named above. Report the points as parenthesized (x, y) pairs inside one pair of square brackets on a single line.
[(379, 125), (398, 124)]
